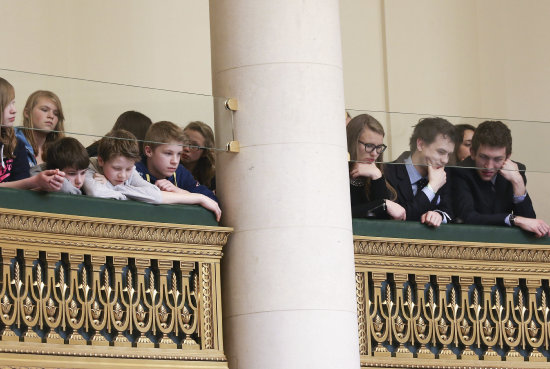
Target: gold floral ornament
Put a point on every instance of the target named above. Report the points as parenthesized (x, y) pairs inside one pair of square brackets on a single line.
[(421, 326), (50, 310), (6, 306), (510, 330), (118, 313), (141, 314), (533, 331), (73, 311), (378, 326), (28, 308), (465, 329), (163, 316), (96, 312), (442, 326), (487, 330)]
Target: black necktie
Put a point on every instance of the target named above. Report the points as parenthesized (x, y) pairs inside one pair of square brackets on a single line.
[(421, 183)]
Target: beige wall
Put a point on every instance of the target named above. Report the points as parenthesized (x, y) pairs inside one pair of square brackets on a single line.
[(163, 45), (460, 58), (474, 58)]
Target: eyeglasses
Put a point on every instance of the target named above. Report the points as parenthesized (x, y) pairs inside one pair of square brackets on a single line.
[(191, 145), (371, 147)]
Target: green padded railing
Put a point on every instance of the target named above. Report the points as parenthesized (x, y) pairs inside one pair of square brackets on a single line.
[(60, 203), (446, 232)]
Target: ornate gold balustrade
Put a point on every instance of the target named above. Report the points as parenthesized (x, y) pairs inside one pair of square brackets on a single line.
[(81, 291), (457, 297)]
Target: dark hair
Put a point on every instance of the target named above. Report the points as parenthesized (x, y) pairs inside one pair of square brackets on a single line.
[(131, 121), (135, 123), (67, 152), (118, 143), (460, 129), (493, 133), (427, 129)]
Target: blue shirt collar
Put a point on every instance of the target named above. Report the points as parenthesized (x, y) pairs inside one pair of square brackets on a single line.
[(414, 176)]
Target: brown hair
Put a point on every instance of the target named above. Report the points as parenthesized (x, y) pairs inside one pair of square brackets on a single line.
[(59, 129), (428, 128), (118, 143), (493, 133), (67, 152), (163, 133), (354, 130), (7, 134), (205, 169)]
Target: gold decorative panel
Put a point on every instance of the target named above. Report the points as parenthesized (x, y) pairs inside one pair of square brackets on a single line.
[(434, 304), (75, 288)]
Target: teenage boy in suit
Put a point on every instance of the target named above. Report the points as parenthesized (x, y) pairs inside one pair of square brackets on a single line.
[(492, 187), (419, 176)]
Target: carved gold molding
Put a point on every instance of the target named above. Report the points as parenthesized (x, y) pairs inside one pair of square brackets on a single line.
[(375, 246), (60, 224), (430, 304), (73, 286)]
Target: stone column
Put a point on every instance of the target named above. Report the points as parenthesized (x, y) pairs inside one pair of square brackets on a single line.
[(288, 271)]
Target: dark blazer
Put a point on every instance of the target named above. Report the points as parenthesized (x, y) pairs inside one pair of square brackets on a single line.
[(476, 202), (396, 174)]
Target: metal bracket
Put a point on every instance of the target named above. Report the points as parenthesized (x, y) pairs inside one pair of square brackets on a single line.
[(232, 104), (233, 146)]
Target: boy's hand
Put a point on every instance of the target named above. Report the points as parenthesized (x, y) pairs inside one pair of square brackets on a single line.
[(510, 172), (100, 178), (537, 226), (211, 205), (436, 177), (166, 185), (50, 180), (431, 218)]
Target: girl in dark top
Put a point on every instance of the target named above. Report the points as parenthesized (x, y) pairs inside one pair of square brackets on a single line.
[(371, 195), (14, 167)]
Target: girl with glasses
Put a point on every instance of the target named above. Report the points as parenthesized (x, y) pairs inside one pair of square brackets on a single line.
[(196, 156), (371, 195)]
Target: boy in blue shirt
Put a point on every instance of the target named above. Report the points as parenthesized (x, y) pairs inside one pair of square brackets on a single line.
[(161, 164)]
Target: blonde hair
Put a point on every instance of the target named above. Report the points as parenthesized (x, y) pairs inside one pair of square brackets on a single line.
[(354, 130), (205, 170), (7, 134), (162, 133), (59, 130)]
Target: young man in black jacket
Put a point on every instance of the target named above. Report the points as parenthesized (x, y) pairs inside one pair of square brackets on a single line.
[(419, 176), (492, 187)]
